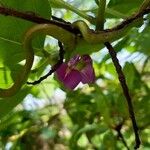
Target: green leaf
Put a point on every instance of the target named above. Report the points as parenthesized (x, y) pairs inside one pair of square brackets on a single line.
[(143, 40), (7, 104), (103, 105), (110, 69), (124, 6), (83, 47), (129, 74), (109, 141), (12, 33), (11, 51), (12, 45), (132, 76)]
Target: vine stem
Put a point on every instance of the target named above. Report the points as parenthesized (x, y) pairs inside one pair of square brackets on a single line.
[(100, 19), (38, 19), (144, 5), (122, 139), (32, 17), (121, 77), (72, 8), (54, 68), (120, 135), (125, 89)]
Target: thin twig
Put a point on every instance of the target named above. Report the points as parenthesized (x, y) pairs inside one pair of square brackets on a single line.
[(35, 18), (120, 135), (144, 5), (130, 19), (60, 20), (99, 26), (38, 19), (125, 89), (54, 68)]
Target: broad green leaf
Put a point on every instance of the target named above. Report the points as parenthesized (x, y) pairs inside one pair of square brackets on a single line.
[(7, 104), (125, 6), (110, 69), (129, 74), (12, 33), (143, 40), (11, 52), (58, 4), (9, 26), (109, 141), (119, 8), (86, 48), (142, 110), (132, 76), (102, 105)]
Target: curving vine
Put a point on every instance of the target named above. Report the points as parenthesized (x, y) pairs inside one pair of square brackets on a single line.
[(70, 41)]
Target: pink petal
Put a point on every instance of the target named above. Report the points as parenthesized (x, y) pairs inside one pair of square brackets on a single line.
[(88, 74), (72, 79), (86, 59), (61, 71), (73, 61)]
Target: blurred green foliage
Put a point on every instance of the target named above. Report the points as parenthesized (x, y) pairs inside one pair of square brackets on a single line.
[(89, 116)]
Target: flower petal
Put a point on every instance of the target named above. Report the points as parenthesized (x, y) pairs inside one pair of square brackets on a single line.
[(86, 59), (61, 71), (74, 60), (72, 79), (87, 74)]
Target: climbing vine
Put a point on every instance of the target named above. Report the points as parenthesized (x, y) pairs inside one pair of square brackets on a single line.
[(76, 41)]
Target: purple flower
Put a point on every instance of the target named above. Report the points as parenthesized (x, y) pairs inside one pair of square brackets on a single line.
[(78, 69)]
